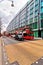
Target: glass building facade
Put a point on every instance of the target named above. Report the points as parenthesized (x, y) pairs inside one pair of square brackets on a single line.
[(31, 15)]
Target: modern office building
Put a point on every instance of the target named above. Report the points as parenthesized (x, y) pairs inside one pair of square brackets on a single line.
[(31, 15)]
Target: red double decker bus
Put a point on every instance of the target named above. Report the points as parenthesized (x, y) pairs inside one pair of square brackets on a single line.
[(26, 32)]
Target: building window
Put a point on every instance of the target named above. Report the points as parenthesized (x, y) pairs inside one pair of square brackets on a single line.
[(41, 0), (42, 33), (31, 25), (31, 13), (32, 3), (35, 33), (35, 19), (42, 23), (41, 9), (31, 20), (41, 16), (36, 1), (35, 25), (36, 12), (36, 7), (31, 10), (41, 3)]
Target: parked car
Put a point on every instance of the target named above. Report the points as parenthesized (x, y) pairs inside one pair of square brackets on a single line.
[(19, 37), (13, 36)]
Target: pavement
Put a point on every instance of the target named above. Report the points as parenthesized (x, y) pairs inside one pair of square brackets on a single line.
[(37, 38), (38, 62), (23, 52), (3, 55), (0, 52)]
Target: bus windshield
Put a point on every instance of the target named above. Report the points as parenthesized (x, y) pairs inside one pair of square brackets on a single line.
[(25, 34)]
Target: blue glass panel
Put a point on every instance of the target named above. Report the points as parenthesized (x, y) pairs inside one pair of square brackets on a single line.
[(41, 3), (41, 0), (36, 0), (41, 10), (41, 23)]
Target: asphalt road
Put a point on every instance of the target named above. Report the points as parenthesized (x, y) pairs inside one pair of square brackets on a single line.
[(25, 53), (7, 40)]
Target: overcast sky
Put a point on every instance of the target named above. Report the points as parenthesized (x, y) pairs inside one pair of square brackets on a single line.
[(7, 12)]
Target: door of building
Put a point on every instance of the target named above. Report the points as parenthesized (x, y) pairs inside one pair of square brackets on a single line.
[(39, 33)]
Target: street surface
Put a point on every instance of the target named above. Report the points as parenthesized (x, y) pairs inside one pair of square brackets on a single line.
[(23, 52)]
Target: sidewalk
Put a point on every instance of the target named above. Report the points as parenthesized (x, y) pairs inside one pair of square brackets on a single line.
[(0, 53), (37, 38)]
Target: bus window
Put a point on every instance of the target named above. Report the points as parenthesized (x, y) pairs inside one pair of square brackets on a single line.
[(24, 34)]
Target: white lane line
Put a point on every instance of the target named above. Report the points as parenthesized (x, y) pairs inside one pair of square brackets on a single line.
[(6, 63), (41, 58), (3, 44), (36, 62)]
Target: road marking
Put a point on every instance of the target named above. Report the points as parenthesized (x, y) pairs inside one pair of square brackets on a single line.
[(41, 58), (3, 44), (36, 62), (6, 63)]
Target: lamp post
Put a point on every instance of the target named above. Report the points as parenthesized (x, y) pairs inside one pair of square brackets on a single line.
[(39, 31)]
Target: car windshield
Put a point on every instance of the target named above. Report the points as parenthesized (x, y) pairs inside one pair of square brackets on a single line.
[(19, 34)]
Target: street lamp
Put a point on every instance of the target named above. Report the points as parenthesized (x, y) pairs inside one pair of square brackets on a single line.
[(12, 4)]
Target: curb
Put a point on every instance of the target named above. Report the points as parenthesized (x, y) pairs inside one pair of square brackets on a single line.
[(38, 38)]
